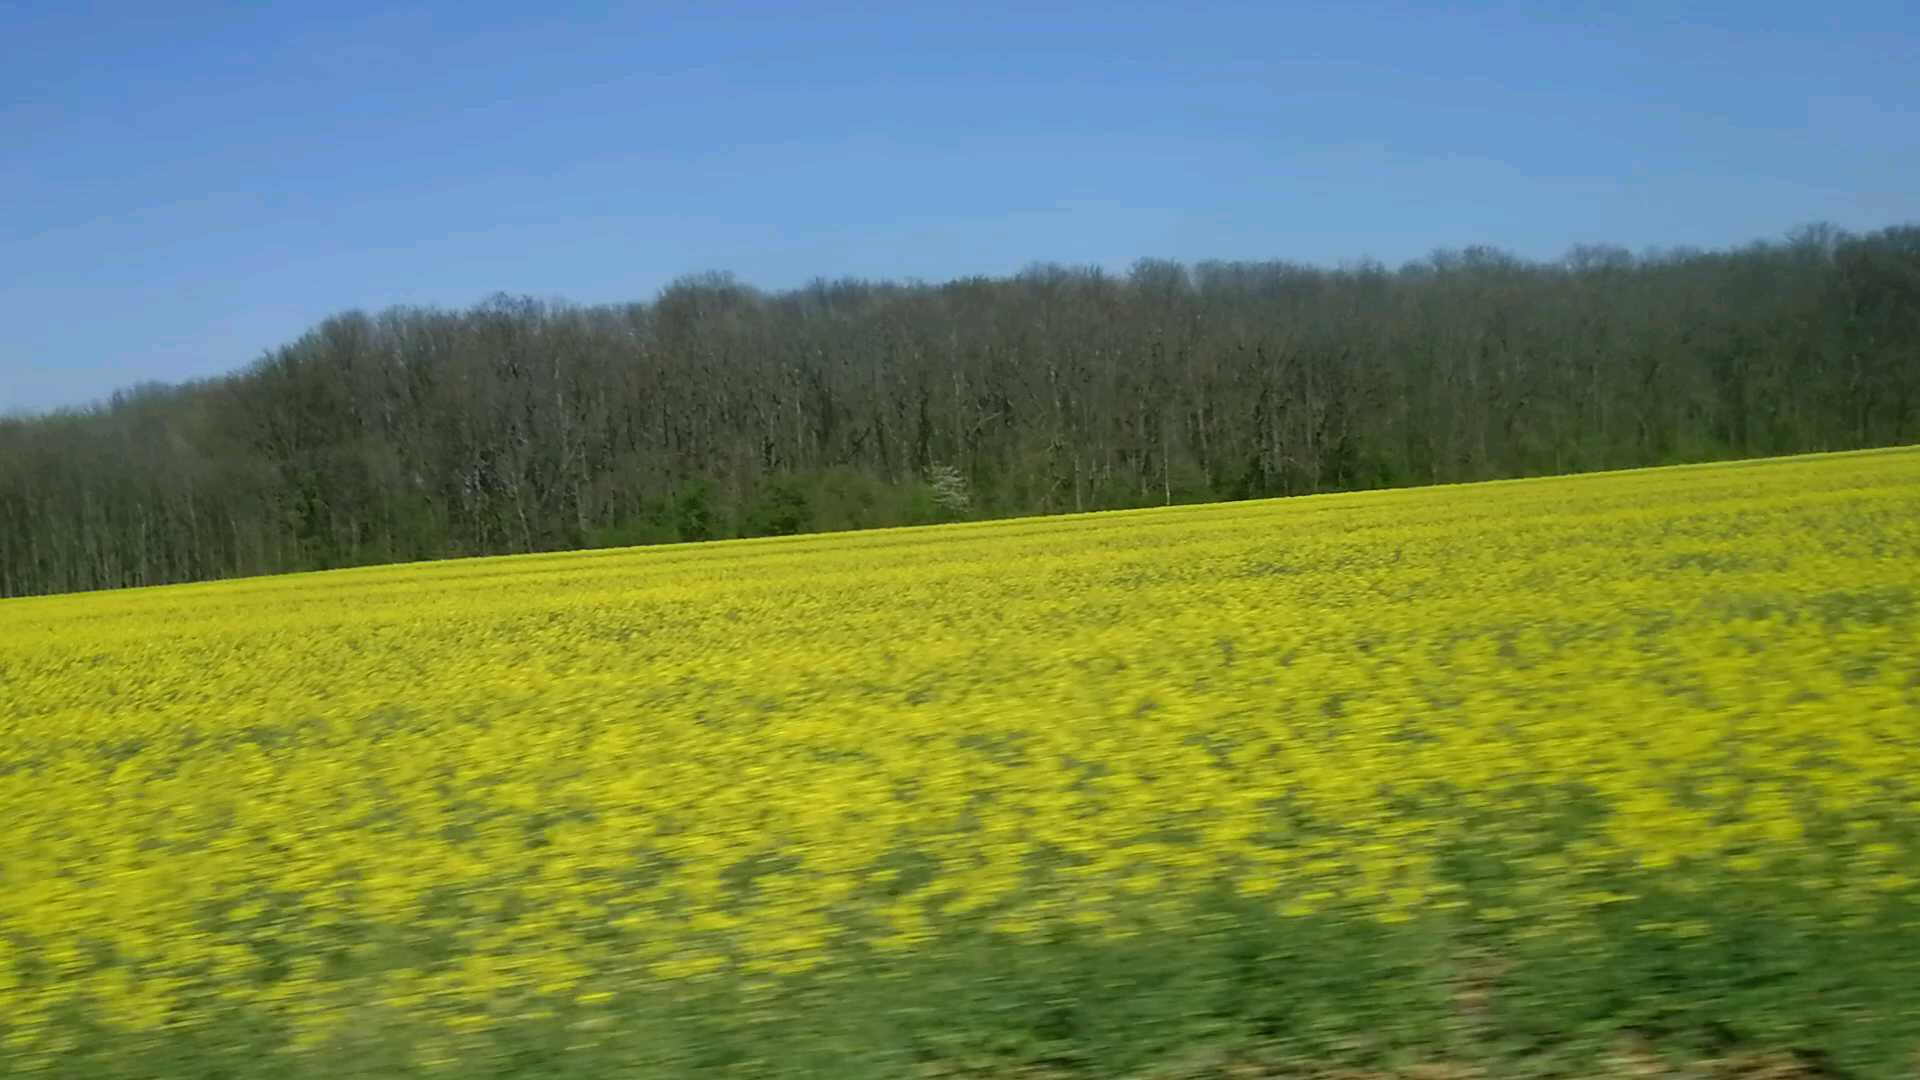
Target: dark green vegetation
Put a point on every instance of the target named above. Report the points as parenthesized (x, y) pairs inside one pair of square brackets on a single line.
[(1239, 996), (717, 410)]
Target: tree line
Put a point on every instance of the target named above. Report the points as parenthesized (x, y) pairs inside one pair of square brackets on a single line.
[(719, 410)]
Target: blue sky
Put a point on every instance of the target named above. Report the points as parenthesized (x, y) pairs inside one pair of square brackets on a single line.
[(183, 186)]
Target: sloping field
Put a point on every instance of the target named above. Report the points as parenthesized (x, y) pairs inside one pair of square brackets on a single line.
[(1498, 776)]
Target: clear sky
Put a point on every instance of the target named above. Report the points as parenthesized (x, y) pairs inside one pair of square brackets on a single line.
[(184, 185)]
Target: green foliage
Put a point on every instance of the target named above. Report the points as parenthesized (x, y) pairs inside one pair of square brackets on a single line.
[(781, 507), (655, 528), (694, 515)]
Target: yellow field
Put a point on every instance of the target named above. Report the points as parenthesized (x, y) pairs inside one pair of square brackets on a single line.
[(454, 798)]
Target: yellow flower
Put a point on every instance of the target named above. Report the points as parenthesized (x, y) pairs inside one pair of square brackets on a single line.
[(450, 788)]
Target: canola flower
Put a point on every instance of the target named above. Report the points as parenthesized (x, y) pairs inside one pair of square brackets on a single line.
[(460, 795)]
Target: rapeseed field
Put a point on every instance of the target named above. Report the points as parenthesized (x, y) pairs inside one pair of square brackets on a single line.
[(1496, 776)]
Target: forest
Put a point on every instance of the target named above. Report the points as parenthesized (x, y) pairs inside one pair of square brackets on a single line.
[(720, 410)]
